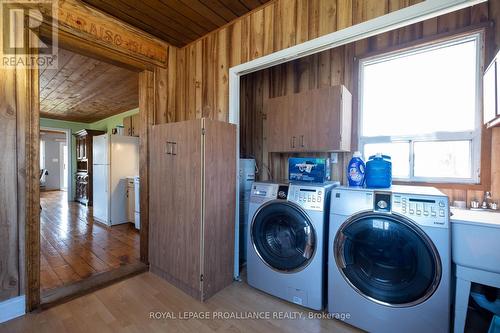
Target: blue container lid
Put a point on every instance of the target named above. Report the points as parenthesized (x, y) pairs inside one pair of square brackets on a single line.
[(379, 156)]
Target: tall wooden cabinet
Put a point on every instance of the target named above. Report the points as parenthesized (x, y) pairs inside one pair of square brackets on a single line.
[(83, 177), (192, 204), (312, 121)]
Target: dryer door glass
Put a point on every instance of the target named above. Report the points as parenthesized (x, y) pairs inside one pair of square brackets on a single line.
[(283, 236), (388, 259)]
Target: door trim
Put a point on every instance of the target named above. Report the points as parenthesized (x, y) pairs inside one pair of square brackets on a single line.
[(28, 151)]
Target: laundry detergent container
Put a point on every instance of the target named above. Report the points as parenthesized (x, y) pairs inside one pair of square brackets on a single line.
[(378, 172)]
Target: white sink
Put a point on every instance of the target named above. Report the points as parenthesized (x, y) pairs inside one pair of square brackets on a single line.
[(476, 239)]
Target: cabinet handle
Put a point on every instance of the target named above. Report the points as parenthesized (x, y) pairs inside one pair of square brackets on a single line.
[(168, 147), (302, 141), (293, 142), (174, 148), (171, 148)]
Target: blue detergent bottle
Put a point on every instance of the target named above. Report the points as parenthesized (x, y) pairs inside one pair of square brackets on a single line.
[(379, 171), (356, 170)]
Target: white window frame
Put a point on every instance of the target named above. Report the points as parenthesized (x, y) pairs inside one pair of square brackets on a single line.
[(473, 136)]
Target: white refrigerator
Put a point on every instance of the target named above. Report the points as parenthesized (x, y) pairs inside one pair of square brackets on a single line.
[(115, 158)]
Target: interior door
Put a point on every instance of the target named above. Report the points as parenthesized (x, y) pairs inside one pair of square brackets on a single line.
[(175, 204), (387, 259)]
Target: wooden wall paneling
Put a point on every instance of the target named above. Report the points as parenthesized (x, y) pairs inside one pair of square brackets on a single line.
[(327, 20), (29, 183), (171, 85), (9, 246), (222, 77), (180, 91), (234, 31), (198, 79), (209, 87), (147, 118), (495, 164), (268, 37), (19, 214), (161, 96), (285, 24), (191, 81), (244, 42), (219, 205), (494, 14), (303, 12), (245, 137), (257, 34)]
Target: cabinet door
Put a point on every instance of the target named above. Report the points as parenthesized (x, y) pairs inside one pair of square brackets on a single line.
[(301, 121), (327, 123), (220, 202), (175, 204), (279, 137), (127, 126), (136, 125)]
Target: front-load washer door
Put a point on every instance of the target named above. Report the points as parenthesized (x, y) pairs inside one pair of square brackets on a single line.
[(387, 258), (283, 236)]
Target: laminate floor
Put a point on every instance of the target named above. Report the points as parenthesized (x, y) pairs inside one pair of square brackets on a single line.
[(73, 247), (146, 303)]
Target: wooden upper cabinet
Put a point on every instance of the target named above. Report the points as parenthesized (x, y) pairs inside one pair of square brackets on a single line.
[(313, 121), (136, 125), (127, 126), (131, 125)]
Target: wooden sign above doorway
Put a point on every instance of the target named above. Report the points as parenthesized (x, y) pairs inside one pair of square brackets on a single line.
[(80, 20)]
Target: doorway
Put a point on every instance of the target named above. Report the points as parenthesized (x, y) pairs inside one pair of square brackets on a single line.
[(55, 142), (87, 237)]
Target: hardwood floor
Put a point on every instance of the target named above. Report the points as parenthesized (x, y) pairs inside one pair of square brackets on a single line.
[(127, 306), (73, 247)]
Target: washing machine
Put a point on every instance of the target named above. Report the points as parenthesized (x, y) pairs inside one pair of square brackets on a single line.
[(389, 259), (286, 253)]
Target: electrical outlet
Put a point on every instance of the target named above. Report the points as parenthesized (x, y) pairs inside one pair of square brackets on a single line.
[(334, 158)]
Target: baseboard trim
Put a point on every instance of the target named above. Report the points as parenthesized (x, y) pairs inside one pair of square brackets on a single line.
[(12, 308)]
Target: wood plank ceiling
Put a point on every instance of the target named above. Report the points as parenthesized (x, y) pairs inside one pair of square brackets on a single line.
[(86, 90), (177, 22)]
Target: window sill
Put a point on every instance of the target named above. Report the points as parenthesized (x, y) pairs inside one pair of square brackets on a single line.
[(455, 186)]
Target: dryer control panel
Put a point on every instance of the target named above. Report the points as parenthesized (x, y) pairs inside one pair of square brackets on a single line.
[(308, 197), (425, 210)]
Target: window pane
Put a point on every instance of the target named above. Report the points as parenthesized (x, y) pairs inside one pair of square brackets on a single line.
[(443, 159), (399, 153), (420, 92)]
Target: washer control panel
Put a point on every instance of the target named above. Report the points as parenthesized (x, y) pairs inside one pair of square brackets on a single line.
[(425, 210), (262, 192), (308, 197)]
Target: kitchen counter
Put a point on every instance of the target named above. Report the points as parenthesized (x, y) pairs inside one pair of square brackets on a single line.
[(484, 218)]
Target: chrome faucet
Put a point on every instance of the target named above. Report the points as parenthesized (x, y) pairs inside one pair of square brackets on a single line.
[(487, 197)]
